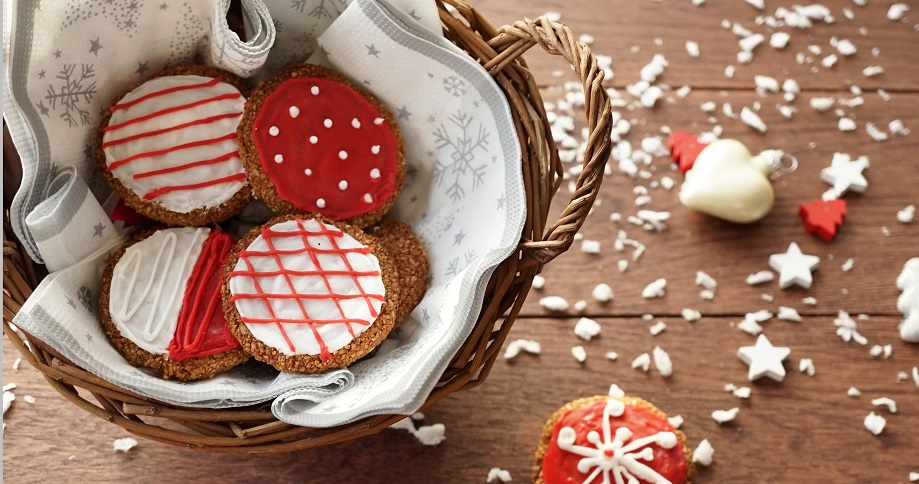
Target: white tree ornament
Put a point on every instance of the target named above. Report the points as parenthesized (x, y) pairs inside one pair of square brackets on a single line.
[(616, 458)]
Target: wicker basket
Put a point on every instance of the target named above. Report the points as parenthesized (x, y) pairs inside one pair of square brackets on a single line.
[(254, 429)]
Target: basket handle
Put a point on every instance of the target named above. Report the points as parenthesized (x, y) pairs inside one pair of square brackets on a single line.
[(557, 39)]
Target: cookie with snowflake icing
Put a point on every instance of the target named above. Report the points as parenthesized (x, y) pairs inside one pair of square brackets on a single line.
[(161, 303), (169, 146), (313, 142), (306, 294), (605, 439)]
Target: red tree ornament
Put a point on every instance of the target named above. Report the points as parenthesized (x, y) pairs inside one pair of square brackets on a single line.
[(684, 149), (823, 217)]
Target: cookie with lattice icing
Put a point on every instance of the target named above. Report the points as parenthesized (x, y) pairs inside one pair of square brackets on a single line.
[(313, 142), (161, 303), (307, 294), (169, 146), (613, 438), (403, 245)]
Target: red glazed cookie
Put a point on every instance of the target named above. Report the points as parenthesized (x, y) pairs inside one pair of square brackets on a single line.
[(161, 303), (169, 146), (313, 142), (612, 439), (305, 294)]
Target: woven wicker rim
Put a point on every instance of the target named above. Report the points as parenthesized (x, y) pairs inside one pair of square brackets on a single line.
[(254, 430)]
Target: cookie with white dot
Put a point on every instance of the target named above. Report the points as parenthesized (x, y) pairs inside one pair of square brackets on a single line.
[(403, 245), (313, 142), (169, 146), (306, 294)]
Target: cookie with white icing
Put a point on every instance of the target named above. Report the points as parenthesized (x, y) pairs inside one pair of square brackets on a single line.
[(306, 294), (401, 243), (161, 303), (169, 146), (612, 439), (313, 142)]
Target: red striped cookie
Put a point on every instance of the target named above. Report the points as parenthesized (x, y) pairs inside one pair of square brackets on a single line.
[(169, 146), (161, 303), (306, 294), (313, 142)]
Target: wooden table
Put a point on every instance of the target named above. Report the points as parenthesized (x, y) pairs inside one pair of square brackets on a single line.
[(803, 430)]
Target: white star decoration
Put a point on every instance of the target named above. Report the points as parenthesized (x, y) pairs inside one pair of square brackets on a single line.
[(764, 359), (845, 175), (794, 267), (613, 456)]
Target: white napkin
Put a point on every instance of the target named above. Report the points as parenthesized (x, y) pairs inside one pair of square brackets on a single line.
[(66, 61), (63, 222), (464, 161)]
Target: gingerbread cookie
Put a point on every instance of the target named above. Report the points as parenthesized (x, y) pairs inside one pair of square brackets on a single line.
[(169, 146), (401, 243), (314, 142), (161, 303), (612, 439), (306, 294)]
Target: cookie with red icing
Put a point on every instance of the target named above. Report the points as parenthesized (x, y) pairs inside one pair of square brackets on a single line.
[(306, 294), (161, 303), (313, 142), (612, 439), (169, 146)]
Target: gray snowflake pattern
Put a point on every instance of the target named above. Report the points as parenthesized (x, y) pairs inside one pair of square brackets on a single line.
[(461, 167), (454, 86), (186, 38), (121, 14), (86, 297), (459, 264), (73, 94), (323, 9)]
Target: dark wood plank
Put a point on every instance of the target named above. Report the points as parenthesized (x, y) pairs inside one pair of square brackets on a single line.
[(789, 432), (730, 252), (617, 26)]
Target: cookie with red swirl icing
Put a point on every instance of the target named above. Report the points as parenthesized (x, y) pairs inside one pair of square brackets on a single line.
[(306, 294), (612, 439), (161, 303), (169, 146), (313, 142)]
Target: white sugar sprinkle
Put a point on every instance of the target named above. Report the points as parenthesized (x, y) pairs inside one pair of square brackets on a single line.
[(662, 361), (703, 453), (897, 11), (690, 315), (875, 423), (308, 172), (375, 173), (368, 198), (586, 329), (846, 124), (806, 365), (822, 103), (320, 203), (580, 306), (314, 140), (752, 119), (539, 282), (848, 264), (294, 111), (887, 402), (725, 416), (655, 289), (315, 90), (327, 123), (760, 277), (30, 400), (872, 71), (378, 121), (590, 246), (906, 215), (810, 301), (124, 445), (515, 347), (579, 353), (657, 328), (611, 355), (16, 364), (343, 155), (278, 158), (273, 131), (375, 149), (676, 421), (788, 314), (779, 40), (853, 392), (642, 362), (602, 292), (692, 48), (343, 185), (496, 474), (554, 303)]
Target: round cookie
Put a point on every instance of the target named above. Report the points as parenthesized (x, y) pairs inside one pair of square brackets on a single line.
[(608, 439), (313, 142), (161, 303), (401, 243), (169, 146), (306, 294)]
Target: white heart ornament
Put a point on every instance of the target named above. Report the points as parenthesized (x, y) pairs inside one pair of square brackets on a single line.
[(727, 182)]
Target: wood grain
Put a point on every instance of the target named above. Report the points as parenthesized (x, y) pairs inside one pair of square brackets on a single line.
[(803, 430)]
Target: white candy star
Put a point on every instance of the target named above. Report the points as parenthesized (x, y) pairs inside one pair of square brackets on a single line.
[(845, 174), (794, 267), (764, 359)]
